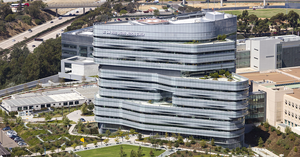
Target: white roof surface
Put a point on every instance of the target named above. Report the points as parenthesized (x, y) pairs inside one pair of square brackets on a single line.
[(44, 98)]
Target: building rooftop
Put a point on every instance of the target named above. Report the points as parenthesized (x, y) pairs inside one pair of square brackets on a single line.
[(270, 77), (44, 97), (209, 16), (283, 38), (294, 71), (296, 93)]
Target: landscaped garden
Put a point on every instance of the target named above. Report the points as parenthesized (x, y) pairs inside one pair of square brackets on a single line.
[(113, 151), (274, 139)]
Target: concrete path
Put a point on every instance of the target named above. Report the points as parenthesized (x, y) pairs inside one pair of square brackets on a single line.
[(83, 135), (76, 115), (264, 152)]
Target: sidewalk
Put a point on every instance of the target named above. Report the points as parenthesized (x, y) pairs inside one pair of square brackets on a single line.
[(263, 152)]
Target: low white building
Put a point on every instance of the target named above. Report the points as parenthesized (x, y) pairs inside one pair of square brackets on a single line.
[(74, 68), (38, 101)]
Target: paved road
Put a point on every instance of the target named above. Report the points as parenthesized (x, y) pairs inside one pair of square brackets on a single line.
[(76, 115), (20, 37), (47, 36), (6, 141)]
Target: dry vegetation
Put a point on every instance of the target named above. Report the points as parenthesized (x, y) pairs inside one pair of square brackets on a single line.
[(279, 144)]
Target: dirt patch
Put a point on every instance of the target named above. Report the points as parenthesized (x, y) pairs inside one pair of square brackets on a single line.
[(146, 7), (277, 144)]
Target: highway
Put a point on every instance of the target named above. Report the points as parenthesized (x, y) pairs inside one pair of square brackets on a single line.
[(20, 37)]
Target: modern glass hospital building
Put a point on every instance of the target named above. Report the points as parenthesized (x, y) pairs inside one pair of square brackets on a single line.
[(151, 78)]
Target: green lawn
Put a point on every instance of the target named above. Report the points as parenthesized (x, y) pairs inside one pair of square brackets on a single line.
[(114, 151), (262, 13)]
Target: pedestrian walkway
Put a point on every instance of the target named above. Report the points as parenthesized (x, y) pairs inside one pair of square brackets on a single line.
[(263, 152)]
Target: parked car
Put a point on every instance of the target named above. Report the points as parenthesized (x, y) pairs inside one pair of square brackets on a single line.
[(11, 132), (77, 11), (22, 143), (13, 40), (14, 136), (6, 128), (82, 119), (51, 22), (33, 45), (115, 20), (29, 30), (18, 139), (119, 20), (126, 18)]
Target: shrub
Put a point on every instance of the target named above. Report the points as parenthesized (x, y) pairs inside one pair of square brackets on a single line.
[(268, 141), (273, 129), (287, 147), (188, 144), (266, 125), (283, 136), (297, 142), (178, 152), (10, 17), (26, 19), (292, 137), (295, 149)]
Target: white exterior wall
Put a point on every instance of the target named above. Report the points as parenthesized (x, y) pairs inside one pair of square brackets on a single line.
[(91, 70), (263, 54), (78, 69)]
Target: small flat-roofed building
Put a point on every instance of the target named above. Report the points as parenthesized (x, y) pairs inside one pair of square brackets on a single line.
[(74, 68), (38, 101)]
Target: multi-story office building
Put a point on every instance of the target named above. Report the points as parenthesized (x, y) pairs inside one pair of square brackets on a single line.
[(280, 89), (268, 53), (77, 43), (151, 78)]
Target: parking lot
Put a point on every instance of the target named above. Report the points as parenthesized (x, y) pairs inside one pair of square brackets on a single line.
[(6, 141)]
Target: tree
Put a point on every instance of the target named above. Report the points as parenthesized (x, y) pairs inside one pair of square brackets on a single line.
[(5, 10), (117, 139), (83, 79), (74, 145), (48, 117), (107, 132), (66, 121), (100, 136), (260, 142), (140, 137), (10, 17), (95, 142), (84, 109), (252, 18), (287, 130), (118, 7), (106, 140), (130, 7), (122, 153), (292, 18), (203, 144), (151, 153), (176, 144), (132, 131), (166, 135), (295, 149), (63, 147), (133, 153), (123, 12), (127, 137), (140, 152), (84, 144), (156, 12), (212, 142), (169, 145)]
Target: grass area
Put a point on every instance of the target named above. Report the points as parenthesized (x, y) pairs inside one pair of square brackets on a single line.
[(262, 13), (115, 150)]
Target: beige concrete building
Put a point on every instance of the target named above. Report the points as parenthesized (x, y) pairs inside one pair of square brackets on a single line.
[(282, 87)]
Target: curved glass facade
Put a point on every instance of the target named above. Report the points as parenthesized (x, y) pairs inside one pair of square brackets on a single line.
[(151, 78)]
